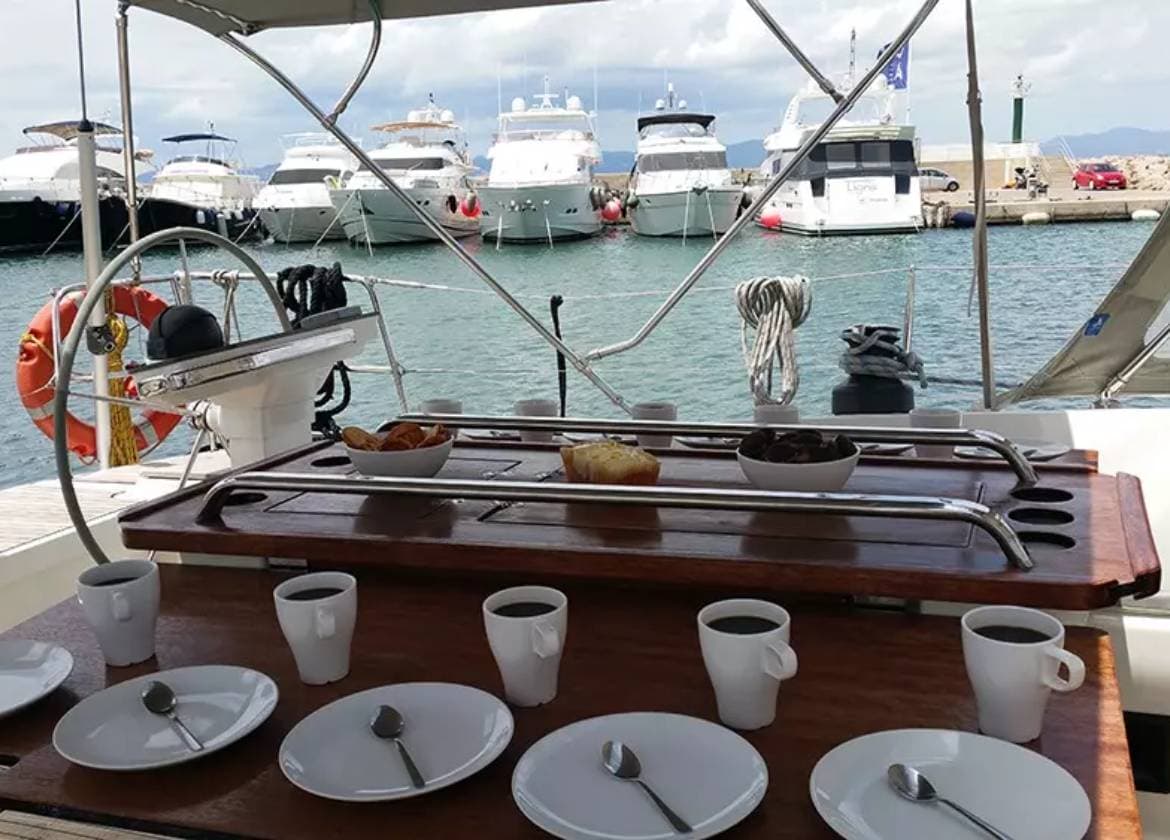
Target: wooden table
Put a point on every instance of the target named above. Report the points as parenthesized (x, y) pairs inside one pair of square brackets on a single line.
[(627, 649), (1091, 547)]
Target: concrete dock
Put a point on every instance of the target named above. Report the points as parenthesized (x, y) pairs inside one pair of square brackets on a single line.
[(1061, 205)]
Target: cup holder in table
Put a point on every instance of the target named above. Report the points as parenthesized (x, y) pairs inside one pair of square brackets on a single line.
[(1041, 516), (1044, 495), (248, 497), (1046, 539), (331, 461)]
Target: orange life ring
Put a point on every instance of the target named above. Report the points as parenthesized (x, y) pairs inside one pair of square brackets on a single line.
[(34, 371)]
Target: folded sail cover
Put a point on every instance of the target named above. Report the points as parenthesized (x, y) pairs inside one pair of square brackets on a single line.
[(248, 16), (1125, 323)]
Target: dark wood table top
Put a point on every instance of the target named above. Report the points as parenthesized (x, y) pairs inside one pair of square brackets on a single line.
[(1090, 549), (627, 650)]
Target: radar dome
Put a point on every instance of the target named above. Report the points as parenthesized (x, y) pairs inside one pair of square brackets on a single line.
[(414, 116), (518, 103), (660, 105), (682, 104), (574, 103), (447, 116)]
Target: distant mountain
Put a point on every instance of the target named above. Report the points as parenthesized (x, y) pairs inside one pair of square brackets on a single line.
[(1115, 141), (262, 172), (745, 155)]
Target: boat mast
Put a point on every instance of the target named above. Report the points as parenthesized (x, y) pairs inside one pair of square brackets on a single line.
[(122, 25), (91, 240), (975, 114)]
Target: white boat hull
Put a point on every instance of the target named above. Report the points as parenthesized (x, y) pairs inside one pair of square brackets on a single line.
[(848, 206), (379, 217), (539, 213), (686, 212), (301, 224)]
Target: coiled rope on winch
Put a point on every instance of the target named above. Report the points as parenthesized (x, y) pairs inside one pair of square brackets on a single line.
[(877, 351), (308, 290), (774, 307)]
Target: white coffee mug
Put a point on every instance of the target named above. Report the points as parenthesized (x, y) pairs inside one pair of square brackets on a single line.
[(1012, 680), (935, 418), (776, 415), (536, 408), (655, 411), (319, 630), (440, 406), (120, 602), (746, 669), (528, 648)]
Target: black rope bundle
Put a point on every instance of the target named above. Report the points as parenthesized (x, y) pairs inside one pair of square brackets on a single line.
[(309, 290)]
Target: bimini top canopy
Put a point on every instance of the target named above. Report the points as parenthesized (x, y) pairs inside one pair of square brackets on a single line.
[(191, 138), (67, 130), (246, 17), (677, 118)]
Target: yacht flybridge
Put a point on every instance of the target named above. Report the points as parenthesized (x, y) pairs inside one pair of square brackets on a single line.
[(873, 532), (40, 188), (294, 205), (427, 157), (681, 185), (860, 178), (204, 189), (540, 187)]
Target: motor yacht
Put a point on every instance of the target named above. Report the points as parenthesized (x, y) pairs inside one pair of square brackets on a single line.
[(540, 187), (40, 194), (294, 205), (204, 189), (861, 178), (681, 185), (427, 157)]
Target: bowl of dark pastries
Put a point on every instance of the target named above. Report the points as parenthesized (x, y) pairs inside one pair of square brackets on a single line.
[(804, 461)]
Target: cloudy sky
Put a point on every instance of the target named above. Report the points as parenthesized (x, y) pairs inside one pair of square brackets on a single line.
[(1093, 65)]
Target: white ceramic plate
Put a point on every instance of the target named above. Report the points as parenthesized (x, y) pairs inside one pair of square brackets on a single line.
[(452, 731), (1032, 450), (709, 776), (30, 671), (112, 730), (1020, 792)]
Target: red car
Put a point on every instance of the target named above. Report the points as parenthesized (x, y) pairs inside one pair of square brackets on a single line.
[(1099, 176)]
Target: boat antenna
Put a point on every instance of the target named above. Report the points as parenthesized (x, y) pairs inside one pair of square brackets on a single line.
[(499, 90), (81, 61), (595, 87)]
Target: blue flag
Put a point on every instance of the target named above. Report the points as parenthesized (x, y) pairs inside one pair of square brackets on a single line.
[(898, 70)]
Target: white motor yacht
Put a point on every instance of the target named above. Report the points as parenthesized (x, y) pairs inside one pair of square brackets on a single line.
[(861, 178), (681, 185), (201, 190), (427, 157), (294, 205), (40, 191), (540, 187)]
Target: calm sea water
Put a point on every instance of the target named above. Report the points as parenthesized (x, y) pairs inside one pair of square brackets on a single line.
[(471, 346)]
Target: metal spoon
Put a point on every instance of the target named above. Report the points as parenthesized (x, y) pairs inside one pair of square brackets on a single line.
[(388, 724), (912, 785), (158, 698), (622, 763)]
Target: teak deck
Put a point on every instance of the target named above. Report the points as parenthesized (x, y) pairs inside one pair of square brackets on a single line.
[(1111, 555), (626, 650)]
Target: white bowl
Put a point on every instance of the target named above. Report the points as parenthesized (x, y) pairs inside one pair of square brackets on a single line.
[(406, 463), (825, 477)]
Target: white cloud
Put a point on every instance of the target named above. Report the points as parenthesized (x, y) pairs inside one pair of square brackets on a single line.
[(1093, 65)]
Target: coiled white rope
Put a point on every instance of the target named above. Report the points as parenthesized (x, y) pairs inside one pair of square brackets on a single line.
[(863, 356), (774, 307)]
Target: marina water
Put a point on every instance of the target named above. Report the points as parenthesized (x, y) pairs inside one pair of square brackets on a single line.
[(469, 345)]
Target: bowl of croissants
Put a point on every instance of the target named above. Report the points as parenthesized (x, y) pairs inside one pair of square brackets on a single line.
[(406, 450)]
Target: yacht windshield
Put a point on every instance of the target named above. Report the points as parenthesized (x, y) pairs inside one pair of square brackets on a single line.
[(851, 159), (675, 130), (574, 127), (409, 164), (672, 161), (199, 159), (301, 176)]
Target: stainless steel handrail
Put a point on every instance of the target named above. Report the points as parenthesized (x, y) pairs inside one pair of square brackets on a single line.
[(1025, 473), (829, 504)]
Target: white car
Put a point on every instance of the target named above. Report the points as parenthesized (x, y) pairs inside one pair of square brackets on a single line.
[(930, 180)]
